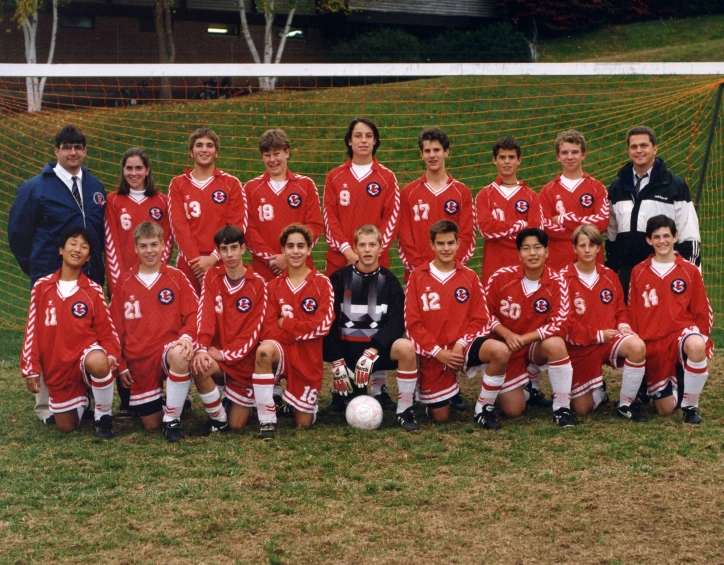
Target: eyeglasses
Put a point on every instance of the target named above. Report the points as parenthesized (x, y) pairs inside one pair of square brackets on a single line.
[(72, 146), (528, 248)]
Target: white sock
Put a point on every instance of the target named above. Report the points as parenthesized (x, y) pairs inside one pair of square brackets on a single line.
[(534, 375), (103, 395), (560, 374), (213, 406), (406, 384), (633, 374), (177, 390), (489, 391), (377, 380), (264, 395), (598, 396), (695, 375)]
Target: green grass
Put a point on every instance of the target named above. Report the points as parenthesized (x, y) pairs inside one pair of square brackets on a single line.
[(684, 40), (604, 492)]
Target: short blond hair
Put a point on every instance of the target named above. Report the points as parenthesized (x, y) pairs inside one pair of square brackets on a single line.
[(570, 136), (367, 229), (147, 230), (594, 236)]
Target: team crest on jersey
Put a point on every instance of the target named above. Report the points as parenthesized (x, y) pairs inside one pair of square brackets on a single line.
[(218, 196), (462, 294), (309, 305), (542, 306), (79, 309), (586, 200), (606, 296), (678, 286), (452, 207), (522, 206), (294, 200), (99, 199), (374, 189), (166, 296), (243, 304), (156, 213)]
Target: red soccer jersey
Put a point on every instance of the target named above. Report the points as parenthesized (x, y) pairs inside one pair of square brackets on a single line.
[(231, 316), (421, 206), (499, 219), (663, 304), (545, 310), (149, 317), (199, 209), (271, 211), (586, 203), (60, 329), (350, 202), (595, 308), (440, 312), (123, 214)]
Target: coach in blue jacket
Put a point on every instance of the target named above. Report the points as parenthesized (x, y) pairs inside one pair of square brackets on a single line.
[(63, 196)]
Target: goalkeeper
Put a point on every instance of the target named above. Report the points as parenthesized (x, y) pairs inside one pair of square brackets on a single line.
[(366, 336)]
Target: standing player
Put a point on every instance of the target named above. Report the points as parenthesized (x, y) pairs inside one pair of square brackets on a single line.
[(154, 310), (300, 314), (369, 309), (600, 331), (434, 196), (531, 307), (135, 201), (233, 304), (671, 312), (71, 341), (201, 201), (446, 317), (504, 208), (359, 192), (571, 199), (276, 199)]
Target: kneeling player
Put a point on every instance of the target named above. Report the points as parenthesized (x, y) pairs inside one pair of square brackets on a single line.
[(154, 310), (530, 303), (231, 313), (671, 313), (368, 326), (446, 317), (299, 315), (70, 339), (599, 330)]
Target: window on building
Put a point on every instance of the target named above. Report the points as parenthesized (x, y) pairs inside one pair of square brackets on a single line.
[(76, 22), (222, 29)]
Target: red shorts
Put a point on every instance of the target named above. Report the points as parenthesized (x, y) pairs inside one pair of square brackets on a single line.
[(239, 393), (301, 364), (516, 374), (435, 381), (242, 371), (68, 387), (587, 362), (148, 376), (663, 355)]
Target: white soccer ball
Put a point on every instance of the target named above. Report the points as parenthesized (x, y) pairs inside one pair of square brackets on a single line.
[(364, 413)]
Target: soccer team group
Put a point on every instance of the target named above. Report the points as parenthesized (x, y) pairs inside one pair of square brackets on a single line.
[(238, 330)]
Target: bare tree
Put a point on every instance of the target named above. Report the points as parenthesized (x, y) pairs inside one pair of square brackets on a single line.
[(166, 44)]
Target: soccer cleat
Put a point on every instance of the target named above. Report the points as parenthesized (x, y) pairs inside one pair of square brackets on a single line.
[(487, 418), (385, 400), (642, 396), (124, 414), (172, 431), (406, 420), (338, 404), (50, 420), (565, 418), (278, 401), (457, 403), (537, 398), (632, 412), (691, 415), (104, 427), (209, 427), (267, 431), (285, 410)]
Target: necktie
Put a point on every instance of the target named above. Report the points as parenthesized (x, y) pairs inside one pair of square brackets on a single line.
[(76, 192), (638, 181)]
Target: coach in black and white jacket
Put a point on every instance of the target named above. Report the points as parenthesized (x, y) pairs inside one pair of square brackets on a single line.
[(645, 188)]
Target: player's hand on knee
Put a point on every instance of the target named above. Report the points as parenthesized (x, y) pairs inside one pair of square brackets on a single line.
[(365, 366), (126, 379), (185, 348), (514, 342), (341, 377), (33, 384), (201, 363)]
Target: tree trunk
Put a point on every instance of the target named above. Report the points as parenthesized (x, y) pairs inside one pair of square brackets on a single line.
[(33, 85), (166, 44), (533, 42)]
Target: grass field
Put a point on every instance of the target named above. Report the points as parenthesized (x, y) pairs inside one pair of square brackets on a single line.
[(607, 492)]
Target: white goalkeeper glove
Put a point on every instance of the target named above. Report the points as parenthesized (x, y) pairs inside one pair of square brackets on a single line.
[(341, 378), (364, 367)]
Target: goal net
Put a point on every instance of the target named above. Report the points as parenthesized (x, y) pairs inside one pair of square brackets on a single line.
[(119, 106)]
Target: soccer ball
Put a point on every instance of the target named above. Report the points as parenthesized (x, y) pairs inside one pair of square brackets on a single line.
[(364, 413)]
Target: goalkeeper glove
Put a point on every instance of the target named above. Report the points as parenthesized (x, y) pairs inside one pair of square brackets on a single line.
[(364, 367), (341, 378)]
